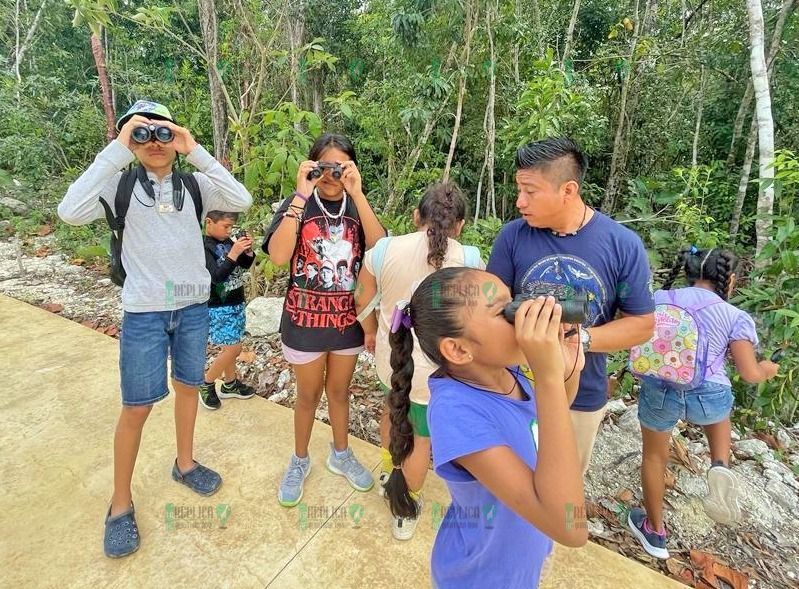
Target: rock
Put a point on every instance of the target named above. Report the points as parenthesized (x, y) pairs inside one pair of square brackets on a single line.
[(784, 439), (595, 527), (735, 436), (263, 315), (696, 447), (781, 494), (616, 406), (104, 282), (752, 449), (283, 379), (15, 206), (278, 397), (629, 419)]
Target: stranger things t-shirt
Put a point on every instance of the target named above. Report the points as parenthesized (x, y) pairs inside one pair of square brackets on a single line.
[(319, 311)]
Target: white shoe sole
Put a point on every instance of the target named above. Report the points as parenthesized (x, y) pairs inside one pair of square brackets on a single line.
[(721, 504), (661, 553), (334, 470), (302, 490)]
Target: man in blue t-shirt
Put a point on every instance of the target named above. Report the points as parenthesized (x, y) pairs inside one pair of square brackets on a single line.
[(560, 240)]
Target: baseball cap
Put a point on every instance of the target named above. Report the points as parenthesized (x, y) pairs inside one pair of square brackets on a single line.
[(151, 110)]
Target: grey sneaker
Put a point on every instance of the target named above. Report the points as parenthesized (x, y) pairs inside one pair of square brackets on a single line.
[(290, 492), (358, 477), (653, 543), (200, 479), (121, 534), (721, 504)]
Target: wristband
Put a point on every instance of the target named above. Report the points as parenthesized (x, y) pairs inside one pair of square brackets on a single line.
[(300, 196)]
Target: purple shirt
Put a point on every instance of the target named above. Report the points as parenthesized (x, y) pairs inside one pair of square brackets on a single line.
[(481, 542), (725, 324)]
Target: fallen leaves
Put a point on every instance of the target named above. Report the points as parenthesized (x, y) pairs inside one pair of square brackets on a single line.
[(247, 356), (44, 230), (715, 575), (53, 307)]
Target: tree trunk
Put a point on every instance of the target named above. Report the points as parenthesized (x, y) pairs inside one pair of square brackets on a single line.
[(570, 32), (490, 122), (518, 14), (295, 27), (539, 29), (105, 86), (765, 123), (394, 195), (735, 221), (208, 23), (695, 150), (469, 27), (616, 167), (745, 106)]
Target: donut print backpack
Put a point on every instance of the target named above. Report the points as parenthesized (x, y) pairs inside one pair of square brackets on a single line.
[(677, 353)]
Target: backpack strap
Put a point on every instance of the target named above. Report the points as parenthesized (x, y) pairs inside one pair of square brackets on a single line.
[(471, 256), (191, 184), (378, 256), (116, 218)]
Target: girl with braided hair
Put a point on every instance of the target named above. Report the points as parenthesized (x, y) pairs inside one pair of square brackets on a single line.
[(505, 449), (710, 275), (390, 272)]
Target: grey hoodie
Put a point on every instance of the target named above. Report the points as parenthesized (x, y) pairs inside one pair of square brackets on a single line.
[(162, 252)]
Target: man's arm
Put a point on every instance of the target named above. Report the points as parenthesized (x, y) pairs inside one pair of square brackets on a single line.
[(220, 190), (636, 303), (622, 333), (81, 205)]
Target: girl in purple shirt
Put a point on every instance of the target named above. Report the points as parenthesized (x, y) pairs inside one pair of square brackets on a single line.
[(711, 278), (506, 452)]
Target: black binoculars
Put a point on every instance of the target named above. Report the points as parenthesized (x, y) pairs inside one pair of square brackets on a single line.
[(147, 133), (237, 234), (317, 171), (573, 303)]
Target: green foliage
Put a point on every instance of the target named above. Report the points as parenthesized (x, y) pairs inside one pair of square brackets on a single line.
[(271, 148), (482, 234)]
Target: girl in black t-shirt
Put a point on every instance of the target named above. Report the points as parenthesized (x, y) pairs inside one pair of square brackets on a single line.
[(325, 222)]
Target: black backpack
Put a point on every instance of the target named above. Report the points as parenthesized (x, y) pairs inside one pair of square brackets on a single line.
[(122, 201)]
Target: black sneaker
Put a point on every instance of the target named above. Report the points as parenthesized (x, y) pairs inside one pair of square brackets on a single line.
[(208, 396), (236, 390)]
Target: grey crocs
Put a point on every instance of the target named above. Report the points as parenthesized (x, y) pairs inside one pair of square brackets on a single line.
[(121, 534), (199, 479)]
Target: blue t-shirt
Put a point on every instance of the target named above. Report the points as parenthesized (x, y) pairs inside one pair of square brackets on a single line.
[(604, 259), (481, 542)]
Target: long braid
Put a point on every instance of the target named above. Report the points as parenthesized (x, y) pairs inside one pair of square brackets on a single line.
[(442, 207), (679, 264), (726, 263), (401, 445)]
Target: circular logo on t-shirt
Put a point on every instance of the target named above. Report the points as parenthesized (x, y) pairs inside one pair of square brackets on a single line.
[(569, 271)]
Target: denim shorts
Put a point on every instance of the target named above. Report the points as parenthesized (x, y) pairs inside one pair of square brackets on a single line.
[(148, 339), (227, 325), (659, 407)]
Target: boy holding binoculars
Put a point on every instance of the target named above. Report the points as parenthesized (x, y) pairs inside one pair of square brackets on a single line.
[(165, 291)]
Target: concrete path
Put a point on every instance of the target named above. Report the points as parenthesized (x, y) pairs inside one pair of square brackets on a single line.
[(59, 410)]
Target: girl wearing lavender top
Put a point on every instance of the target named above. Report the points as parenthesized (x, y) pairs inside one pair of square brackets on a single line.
[(710, 275), (506, 452)]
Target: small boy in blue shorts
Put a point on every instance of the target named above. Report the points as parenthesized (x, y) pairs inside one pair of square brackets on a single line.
[(226, 258)]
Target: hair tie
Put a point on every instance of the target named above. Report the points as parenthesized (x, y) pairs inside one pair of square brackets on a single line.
[(401, 316), (694, 250)]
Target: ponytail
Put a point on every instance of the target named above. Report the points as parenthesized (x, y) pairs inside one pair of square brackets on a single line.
[(442, 207), (399, 402)]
